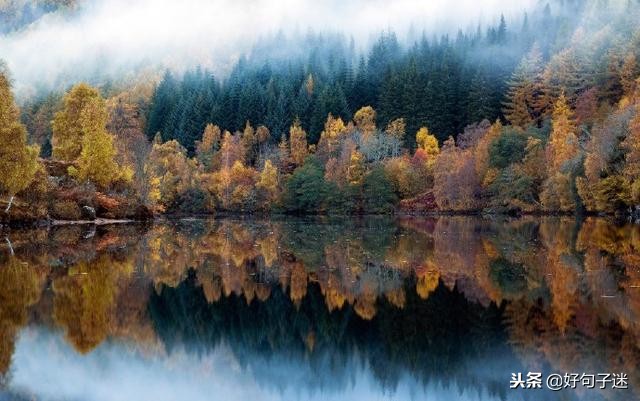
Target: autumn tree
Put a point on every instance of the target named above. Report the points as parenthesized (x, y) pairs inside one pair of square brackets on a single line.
[(365, 120), (356, 169), (231, 150), (209, 144), (263, 135), (455, 184), (628, 74), (485, 173), (523, 106), (268, 183), (96, 162), (427, 144), (18, 161), (298, 143), (561, 154), (170, 173), (334, 130), (284, 155), (632, 158), (68, 129), (397, 129), (249, 143)]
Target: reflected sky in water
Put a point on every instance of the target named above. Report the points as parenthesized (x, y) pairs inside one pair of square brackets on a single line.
[(114, 372), (318, 309)]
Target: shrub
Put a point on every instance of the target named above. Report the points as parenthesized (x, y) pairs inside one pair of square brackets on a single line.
[(66, 210)]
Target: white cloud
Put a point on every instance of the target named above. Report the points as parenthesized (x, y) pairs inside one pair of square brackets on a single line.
[(115, 35)]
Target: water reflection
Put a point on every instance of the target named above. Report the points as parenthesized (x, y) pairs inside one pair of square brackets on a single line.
[(318, 309)]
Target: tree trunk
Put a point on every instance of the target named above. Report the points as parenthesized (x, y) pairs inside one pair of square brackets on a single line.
[(10, 246), (9, 205)]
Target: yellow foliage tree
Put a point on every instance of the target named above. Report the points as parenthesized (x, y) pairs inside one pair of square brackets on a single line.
[(208, 145), (249, 143), (18, 162), (298, 143), (365, 120), (428, 144), (334, 129), (356, 169), (396, 128), (170, 173), (563, 142), (558, 190), (268, 181), (481, 153), (97, 158), (262, 134), (67, 125)]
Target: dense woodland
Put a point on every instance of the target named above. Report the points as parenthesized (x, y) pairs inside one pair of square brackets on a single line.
[(533, 114)]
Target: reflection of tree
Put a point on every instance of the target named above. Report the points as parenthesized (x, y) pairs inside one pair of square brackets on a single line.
[(84, 302), (567, 293), (431, 339), (20, 287)]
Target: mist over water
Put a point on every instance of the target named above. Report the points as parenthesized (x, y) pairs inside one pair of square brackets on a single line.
[(113, 37)]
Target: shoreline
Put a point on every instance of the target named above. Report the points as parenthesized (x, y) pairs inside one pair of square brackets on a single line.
[(226, 214)]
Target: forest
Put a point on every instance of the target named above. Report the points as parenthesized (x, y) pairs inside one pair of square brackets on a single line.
[(534, 114)]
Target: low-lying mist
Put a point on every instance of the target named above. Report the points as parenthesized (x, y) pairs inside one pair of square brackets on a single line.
[(105, 39)]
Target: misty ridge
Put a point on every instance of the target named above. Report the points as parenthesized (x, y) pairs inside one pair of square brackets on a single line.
[(52, 44)]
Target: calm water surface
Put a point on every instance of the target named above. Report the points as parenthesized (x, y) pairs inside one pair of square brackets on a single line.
[(318, 309)]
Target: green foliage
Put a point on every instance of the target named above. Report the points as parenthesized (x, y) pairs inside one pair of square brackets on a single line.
[(513, 188), (305, 189), (510, 277), (343, 200), (508, 148), (377, 192), (193, 201)]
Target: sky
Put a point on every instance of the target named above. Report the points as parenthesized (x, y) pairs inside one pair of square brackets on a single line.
[(114, 36)]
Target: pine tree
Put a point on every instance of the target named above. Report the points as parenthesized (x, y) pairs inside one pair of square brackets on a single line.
[(522, 106), (162, 105)]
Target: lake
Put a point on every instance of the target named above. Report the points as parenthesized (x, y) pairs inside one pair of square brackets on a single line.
[(447, 308)]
